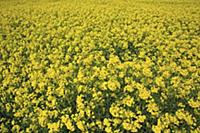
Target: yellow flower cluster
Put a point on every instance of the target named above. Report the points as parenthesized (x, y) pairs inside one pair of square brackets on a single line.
[(112, 66)]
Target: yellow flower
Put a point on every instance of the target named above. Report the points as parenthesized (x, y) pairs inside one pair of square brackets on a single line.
[(88, 60), (183, 72), (53, 127), (113, 85), (51, 101), (79, 102), (116, 121), (154, 90), (153, 108), (16, 128), (80, 75), (113, 60), (142, 54), (175, 81), (141, 118), (103, 73), (67, 58), (166, 74), (128, 88), (51, 73), (43, 117), (184, 115), (60, 91), (80, 125), (127, 125), (99, 124), (66, 120), (114, 110), (147, 72), (121, 74), (156, 129), (103, 86), (194, 104), (160, 82), (106, 122), (108, 129), (128, 101), (144, 94), (125, 45), (196, 130)]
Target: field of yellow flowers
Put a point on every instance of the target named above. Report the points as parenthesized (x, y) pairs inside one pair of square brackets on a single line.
[(114, 66)]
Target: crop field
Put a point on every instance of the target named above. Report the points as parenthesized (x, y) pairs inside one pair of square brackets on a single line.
[(96, 66)]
